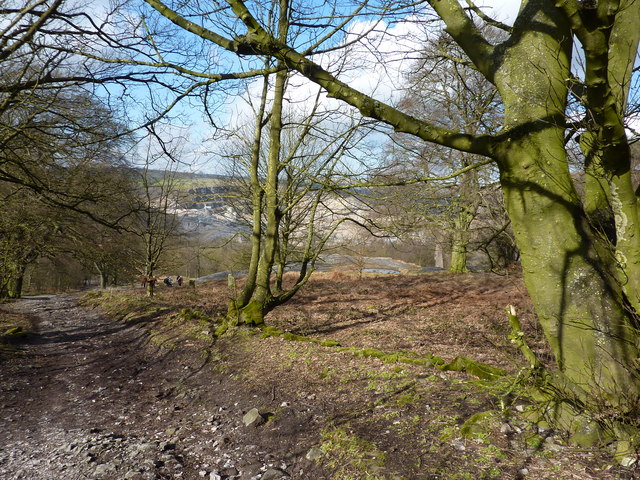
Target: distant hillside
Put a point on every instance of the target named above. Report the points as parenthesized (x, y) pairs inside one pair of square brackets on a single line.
[(189, 179)]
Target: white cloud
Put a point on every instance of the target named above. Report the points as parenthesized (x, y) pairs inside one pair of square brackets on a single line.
[(377, 65), (503, 10)]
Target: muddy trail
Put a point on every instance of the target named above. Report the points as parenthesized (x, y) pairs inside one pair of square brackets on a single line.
[(90, 398)]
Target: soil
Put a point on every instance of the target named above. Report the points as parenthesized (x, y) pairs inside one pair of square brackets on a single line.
[(145, 392)]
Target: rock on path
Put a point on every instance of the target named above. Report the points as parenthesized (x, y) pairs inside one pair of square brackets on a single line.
[(89, 398)]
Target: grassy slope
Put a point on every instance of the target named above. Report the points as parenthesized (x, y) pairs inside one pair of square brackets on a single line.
[(375, 416)]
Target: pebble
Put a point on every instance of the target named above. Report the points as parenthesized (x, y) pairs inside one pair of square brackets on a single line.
[(314, 453), (273, 474), (458, 445)]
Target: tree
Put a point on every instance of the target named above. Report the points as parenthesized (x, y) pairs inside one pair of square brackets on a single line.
[(62, 132), (288, 181), (496, 237), (107, 251), (441, 86), (28, 228), (59, 146), (152, 201), (32, 226), (59, 121), (580, 255), (45, 126)]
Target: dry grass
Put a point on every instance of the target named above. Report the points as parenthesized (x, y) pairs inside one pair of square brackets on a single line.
[(377, 419)]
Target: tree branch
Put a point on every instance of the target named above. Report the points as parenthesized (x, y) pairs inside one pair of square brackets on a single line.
[(487, 19), (189, 26), (467, 35)]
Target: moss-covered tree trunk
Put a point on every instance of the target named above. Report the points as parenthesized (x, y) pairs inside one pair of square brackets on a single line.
[(260, 301), (150, 288), (151, 282), (460, 240), (103, 271), (14, 285), (611, 200), (578, 302), (259, 304), (569, 274), (240, 302), (458, 253), (17, 254)]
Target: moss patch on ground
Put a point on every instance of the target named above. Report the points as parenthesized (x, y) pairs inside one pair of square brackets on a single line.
[(14, 329)]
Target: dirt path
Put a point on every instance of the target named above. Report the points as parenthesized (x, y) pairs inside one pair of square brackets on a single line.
[(89, 398)]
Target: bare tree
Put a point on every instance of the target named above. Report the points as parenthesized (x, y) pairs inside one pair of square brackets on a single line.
[(289, 183), (153, 201), (441, 85)]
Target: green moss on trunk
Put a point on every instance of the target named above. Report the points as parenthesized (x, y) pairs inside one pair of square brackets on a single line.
[(251, 314)]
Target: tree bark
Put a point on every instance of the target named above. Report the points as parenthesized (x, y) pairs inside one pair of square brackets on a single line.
[(14, 285), (253, 313), (458, 254), (460, 240), (257, 194), (259, 304), (577, 299), (578, 303)]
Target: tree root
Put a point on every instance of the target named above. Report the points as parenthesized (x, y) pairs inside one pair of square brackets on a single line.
[(587, 417)]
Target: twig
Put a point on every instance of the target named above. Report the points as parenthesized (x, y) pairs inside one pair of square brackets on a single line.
[(517, 337)]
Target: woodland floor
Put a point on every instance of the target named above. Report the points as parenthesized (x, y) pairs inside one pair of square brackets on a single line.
[(144, 392)]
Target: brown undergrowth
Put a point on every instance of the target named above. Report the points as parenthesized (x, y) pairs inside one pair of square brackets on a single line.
[(373, 416)]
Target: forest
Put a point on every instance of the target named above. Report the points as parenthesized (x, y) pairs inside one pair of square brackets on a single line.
[(145, 139)]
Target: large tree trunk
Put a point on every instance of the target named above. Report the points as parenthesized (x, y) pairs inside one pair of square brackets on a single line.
[(151, 281), (460, 240), (459, 253), (570, 271), (14, 285), (104, 274), (577, 300), (12, 282)]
